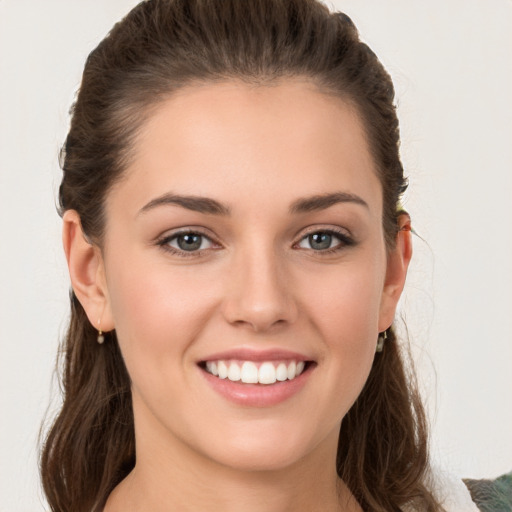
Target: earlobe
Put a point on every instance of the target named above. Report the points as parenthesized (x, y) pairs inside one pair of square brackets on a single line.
[(398, 263), (87, 272)]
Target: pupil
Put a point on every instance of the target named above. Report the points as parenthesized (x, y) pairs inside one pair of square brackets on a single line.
[(189, 242), (320, 240)]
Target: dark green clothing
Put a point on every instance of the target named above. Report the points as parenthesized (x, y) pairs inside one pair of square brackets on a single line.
[(492, 495)]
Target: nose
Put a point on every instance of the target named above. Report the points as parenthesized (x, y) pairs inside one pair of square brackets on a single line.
[(259, 292)]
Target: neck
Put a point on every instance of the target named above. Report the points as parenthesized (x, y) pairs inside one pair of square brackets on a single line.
[(178, 478)]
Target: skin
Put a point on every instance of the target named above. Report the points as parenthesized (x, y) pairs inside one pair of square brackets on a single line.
[(257, 283)]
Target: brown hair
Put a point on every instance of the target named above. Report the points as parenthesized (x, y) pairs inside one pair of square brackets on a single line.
[(160, 46)]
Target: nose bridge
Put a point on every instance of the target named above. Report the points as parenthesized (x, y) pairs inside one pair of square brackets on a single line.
[(259, 292)]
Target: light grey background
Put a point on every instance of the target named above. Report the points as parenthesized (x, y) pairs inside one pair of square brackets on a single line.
[(452, 66)]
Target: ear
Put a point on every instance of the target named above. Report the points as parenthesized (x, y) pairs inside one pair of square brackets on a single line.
[(396, 272), (87, 272)]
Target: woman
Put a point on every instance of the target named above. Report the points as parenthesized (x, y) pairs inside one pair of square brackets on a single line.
[(236, 250)]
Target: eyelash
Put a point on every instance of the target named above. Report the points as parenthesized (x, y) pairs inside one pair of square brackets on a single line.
[(165, 241), (344, 241)]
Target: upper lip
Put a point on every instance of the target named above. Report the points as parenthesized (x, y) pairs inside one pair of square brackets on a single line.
[(247, 354)]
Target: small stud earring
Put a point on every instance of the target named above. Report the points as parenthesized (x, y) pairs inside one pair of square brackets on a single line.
[(380, 342), (100, 338)]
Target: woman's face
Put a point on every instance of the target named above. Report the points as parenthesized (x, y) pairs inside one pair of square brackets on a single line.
[(246, 238)]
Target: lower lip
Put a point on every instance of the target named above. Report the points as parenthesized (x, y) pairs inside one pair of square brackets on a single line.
[(258, 395)]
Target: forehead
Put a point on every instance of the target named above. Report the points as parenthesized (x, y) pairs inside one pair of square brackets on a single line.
[(232, 140)]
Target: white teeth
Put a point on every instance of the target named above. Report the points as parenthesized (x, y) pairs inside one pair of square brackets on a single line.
[(211, 366), (291, 370), (281, 372), (267, 374), (234, 372), (249, 373), (222, 369)]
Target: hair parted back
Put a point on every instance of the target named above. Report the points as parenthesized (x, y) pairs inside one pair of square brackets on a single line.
[(158, 48)]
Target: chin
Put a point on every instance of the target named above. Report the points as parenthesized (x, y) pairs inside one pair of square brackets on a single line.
[(264, 449), (259, 461)]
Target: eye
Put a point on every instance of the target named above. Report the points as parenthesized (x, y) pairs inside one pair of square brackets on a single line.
[(325, 241), (188, 242)]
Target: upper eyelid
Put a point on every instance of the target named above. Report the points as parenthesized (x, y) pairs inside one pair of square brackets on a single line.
[(344, 232)]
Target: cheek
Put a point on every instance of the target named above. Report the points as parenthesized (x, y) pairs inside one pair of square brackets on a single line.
[(345, 303), (159, 313), (346, 315), (157, 310)]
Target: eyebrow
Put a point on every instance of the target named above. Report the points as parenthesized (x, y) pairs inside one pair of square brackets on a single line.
[(194, 203), (324, 201), (212, 207)]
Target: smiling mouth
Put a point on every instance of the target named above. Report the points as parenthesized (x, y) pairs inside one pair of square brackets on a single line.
[(251, 372)]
